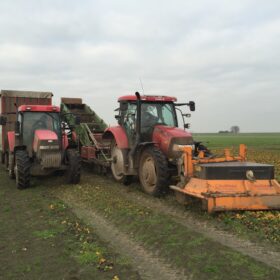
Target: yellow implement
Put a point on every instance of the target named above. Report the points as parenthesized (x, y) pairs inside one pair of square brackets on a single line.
[(227, 183)]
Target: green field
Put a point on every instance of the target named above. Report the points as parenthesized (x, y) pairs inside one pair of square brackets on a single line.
[(261, 147), (262, 141), (45, 236)]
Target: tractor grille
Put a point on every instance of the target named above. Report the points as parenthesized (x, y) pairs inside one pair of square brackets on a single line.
[(51, 159)]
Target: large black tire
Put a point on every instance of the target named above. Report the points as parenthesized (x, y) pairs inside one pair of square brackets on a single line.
[(153, 171), (117, 165), (22, 169), (73, 173)]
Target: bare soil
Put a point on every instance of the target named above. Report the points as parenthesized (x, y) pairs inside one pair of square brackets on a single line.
[(100, 229), (260, 251), (41, 238), (148, 266), (99, 200)]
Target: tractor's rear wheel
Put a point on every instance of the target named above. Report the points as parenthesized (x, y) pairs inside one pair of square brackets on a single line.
[(73, 173), (117, 165), (22, 169), (153, 171)]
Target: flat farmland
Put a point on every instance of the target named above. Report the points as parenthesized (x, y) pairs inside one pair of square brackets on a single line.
[(262, 147), (269, 141), (100, 229)]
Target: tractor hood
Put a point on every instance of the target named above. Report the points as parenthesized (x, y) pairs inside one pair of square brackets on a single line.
[(166, 137), (45, 139)]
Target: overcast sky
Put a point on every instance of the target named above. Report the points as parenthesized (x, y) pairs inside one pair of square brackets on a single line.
[(224, 55)]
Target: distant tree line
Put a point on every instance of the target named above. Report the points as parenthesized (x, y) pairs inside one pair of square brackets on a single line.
[(234, 130)]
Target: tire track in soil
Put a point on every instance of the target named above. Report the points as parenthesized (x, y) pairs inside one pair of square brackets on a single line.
[(148, 265), (184, 218)]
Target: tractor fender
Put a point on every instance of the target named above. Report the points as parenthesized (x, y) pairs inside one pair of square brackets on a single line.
[(11, 141), (117, 133)]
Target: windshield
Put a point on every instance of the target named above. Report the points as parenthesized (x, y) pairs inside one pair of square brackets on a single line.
[(158, 113), (39, 120)]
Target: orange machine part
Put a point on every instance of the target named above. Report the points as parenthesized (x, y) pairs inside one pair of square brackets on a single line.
[(189, 162), (225, 195)]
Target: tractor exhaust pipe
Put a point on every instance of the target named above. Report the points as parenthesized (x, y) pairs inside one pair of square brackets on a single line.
[(138, 126)]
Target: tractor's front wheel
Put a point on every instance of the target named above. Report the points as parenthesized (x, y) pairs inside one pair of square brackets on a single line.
[(73, 173), (153, 171), (22, 169)]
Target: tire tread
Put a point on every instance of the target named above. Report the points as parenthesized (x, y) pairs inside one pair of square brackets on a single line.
[(161, 165), (23, 169)]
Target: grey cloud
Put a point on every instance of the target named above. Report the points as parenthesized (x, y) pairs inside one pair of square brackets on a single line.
[(222, 54)]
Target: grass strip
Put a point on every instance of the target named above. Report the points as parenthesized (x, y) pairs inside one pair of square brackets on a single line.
[(200, 257)]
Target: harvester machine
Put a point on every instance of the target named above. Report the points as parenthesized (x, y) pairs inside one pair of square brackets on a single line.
[(87, 134), (226, 183)]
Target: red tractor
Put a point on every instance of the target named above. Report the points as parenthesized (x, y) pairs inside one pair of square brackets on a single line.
[(39, 146), (143, 142)]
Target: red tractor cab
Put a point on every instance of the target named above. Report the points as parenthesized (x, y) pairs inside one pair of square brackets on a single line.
[(144, 140)]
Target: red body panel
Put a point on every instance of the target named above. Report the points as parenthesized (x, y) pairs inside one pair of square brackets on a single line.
[(43, 135), (38, 108), (162, 135), (11, 140), (148, 98), (119, 135)]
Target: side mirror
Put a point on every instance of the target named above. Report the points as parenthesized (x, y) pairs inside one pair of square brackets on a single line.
[(192, 106), (3, 120), (17, 127), (77, 120)]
